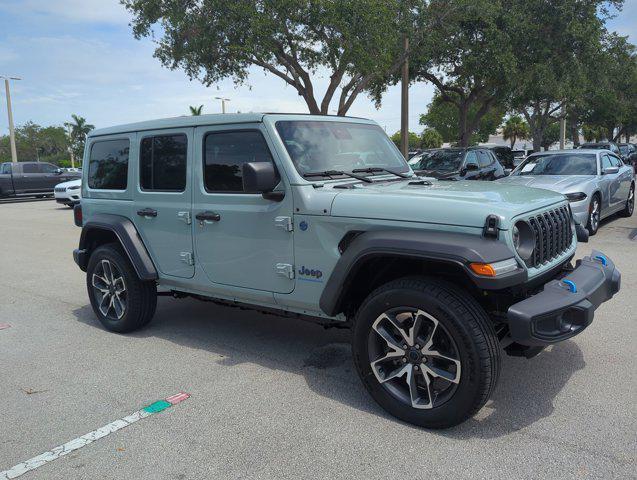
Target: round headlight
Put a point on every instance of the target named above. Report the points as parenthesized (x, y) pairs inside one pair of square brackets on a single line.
[(523, 239)]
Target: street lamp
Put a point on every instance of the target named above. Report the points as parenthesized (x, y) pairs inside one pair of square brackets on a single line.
[(223, 103), (14, 153)]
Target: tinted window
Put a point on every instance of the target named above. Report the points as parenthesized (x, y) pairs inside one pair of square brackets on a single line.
[(472, 157), (484, 159), (162, 163), (606, 162), (442, 161), (6, 168), (559, 164), (616, 161), (48, 168), (224, 156), (108, 165), (30, 168)]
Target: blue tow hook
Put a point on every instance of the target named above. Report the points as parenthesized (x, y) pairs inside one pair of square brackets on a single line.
[(602, 259), (571, 285)]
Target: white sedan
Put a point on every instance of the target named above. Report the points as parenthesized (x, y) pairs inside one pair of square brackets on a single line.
[(68, 193)]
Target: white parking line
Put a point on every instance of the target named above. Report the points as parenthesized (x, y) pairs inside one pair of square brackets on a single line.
[(90, 437)]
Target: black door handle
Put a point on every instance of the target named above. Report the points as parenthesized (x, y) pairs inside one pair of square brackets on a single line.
[(208, 216), (147, 212)]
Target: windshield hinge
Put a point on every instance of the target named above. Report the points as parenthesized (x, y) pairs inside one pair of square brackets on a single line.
[(285, 269), (187, 258), (491, 226)]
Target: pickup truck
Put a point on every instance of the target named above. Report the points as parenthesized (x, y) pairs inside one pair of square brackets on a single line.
[(29, 179)]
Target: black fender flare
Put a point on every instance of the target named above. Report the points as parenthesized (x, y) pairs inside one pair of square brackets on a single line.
[(453, 248), (128, 237)]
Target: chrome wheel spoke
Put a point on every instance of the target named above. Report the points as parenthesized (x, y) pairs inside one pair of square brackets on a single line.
[(105, 304), (118, 283), (100, 283), (118, 306), (395, 373), (107, 270), (437, 371), (416, 399), (386, 335)]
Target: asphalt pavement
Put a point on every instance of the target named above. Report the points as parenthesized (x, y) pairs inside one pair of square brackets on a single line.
[(279, 398)]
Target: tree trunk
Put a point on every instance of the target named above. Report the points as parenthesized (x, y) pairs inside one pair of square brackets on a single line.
[(463, 131), (538, 135), (574, 133)]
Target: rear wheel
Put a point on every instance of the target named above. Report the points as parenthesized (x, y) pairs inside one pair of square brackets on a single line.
[(630, 203), (121, 301), (426, 351), (594, 215)]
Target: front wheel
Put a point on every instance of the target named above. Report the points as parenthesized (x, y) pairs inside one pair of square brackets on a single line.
[(426, 351), (121, 301), (594, 215)]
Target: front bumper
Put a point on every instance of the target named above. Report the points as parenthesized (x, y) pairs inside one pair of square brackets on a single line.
[(565, 307)]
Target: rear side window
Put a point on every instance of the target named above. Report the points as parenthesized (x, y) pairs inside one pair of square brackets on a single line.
[(48, 168), (471, 158), (606, 161), (224, 156), (485, 159), (30, 168), (6, 168), (108, 165), (162, 163)]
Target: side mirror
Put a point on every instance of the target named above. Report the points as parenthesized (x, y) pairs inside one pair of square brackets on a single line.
[(261, 177), (59, 171), (610, 170)]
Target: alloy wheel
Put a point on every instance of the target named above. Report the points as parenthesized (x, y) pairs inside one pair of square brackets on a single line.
[(631, 200), (110, 290), (594, 214), (414, 357)]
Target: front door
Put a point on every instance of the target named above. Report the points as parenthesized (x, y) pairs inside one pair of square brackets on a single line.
[(241, 239), (610, 182), (163, 198)]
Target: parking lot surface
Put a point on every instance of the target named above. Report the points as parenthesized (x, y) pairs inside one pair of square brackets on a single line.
[(279, 398)]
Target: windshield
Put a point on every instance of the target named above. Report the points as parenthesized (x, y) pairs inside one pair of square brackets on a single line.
[(559, 164), (317, 146), (442, 160)]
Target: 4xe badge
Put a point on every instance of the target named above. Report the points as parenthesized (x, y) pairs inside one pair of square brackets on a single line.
[(310, 275)]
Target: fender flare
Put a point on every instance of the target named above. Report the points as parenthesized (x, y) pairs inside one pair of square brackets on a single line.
[(452, 248), (128, 238)]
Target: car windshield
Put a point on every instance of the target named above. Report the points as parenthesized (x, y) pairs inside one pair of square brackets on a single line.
[(442, 161), (323, 146), (559, 164)]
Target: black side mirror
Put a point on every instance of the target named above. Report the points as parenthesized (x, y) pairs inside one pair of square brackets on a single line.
[(59, 171), (261, 177)]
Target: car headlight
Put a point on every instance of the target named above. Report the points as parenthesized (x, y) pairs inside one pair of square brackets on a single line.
[(523, 239), (576, 197)]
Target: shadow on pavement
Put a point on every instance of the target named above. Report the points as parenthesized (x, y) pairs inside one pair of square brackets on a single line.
[(524, 395)]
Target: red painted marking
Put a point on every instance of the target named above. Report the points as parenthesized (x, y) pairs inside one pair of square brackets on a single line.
[(178, 397), (4, 325)]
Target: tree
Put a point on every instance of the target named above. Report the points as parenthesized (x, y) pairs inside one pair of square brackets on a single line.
[(553, 53), (515, 128), (33, 142), (358, 43), (467, 57), (592, 133), (551, 135), (443, 117), (195, 111), (414, 140), (77, 131), (430, 138)]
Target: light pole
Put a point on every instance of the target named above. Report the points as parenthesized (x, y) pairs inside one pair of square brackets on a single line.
[(14, 153), (223, 103)]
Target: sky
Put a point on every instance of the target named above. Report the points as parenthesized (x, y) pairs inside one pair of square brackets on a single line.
[(80, 57)]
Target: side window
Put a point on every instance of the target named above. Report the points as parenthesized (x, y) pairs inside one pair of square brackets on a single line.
[(162, 163), (616, 161), (606, 162), (108, 165), (6, 168), (48, 168), (224, 156), (471, 158), (484, 159), (30, 168)]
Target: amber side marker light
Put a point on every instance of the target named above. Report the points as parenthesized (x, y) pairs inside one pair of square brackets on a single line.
[(484, 269)]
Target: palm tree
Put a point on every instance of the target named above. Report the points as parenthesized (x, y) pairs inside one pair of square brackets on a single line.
[(196, 110), (515, 128), (77, 131)]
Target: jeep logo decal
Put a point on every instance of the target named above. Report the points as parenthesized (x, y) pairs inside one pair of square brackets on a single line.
[(310, 274)]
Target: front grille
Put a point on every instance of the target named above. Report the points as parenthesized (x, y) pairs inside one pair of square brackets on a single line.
[(60, 189), (553, 235)]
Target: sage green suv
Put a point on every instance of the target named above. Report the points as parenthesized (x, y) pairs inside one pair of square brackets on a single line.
[(320, 217)]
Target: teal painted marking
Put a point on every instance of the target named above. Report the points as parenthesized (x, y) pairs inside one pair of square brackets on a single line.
[(156, 407)]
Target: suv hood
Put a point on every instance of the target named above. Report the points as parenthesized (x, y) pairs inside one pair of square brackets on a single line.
[(70, 183), (461, 203)]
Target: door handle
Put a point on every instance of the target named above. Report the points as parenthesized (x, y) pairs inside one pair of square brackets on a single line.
[(147, 212), (207, 217)]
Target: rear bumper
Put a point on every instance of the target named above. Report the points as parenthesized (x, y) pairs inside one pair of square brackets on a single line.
[(565, 307)]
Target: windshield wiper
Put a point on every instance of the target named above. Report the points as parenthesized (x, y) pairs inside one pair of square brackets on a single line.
[(334, 173), (381, 169)]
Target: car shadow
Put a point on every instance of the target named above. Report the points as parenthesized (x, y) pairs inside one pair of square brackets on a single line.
[(232, 336)]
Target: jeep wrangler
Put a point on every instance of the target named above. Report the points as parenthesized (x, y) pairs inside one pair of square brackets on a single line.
[(321, 218)]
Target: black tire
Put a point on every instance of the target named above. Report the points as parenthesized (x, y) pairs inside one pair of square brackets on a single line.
[(630, 203), (592, 225), (140, 298), (462, 319)]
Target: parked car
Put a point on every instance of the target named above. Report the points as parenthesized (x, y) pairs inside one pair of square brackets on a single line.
[(596, 182), (68, 193), (280, 214), (31, 179), (504, 155), (629, 154), (611, 146), (474, 163), (519, 156)]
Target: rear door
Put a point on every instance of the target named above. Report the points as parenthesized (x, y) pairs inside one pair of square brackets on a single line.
[(163, 199), (30, 179)]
